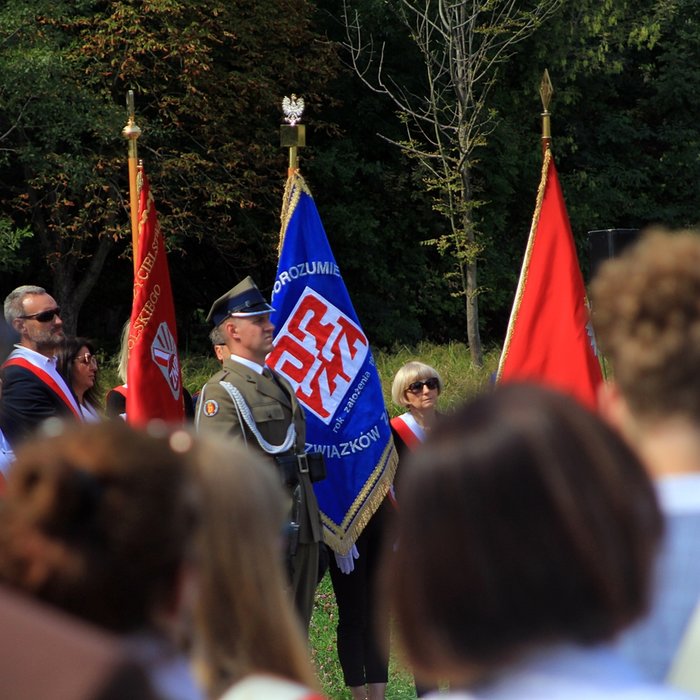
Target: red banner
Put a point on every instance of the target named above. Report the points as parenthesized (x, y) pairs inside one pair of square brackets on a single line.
[(154, 377), (549, 339)]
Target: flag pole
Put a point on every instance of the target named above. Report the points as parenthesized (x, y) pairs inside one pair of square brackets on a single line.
[(546, 92), (131, 132), (293, 134)]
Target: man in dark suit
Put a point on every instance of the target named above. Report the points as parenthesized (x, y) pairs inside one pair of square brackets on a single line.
[(32, 388), (250, 402)]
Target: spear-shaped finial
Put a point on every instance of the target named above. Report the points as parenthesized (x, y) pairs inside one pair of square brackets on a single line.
[(546, 92), (293, 134), (132, 132)]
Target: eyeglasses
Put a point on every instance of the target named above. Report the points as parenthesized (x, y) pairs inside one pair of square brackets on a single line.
[(87, 359), (43, 316), (417, 387)]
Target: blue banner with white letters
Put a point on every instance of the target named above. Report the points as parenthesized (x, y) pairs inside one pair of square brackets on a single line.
[(322, 351)]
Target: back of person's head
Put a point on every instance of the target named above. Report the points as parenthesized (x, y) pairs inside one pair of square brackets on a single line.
[(524, 521), (646, 315), (246, 622), (99, 520)]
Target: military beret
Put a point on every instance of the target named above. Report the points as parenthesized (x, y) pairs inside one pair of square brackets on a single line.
[(245, 299)]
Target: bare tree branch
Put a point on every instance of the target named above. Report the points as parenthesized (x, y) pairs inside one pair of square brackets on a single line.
[(462, 45)]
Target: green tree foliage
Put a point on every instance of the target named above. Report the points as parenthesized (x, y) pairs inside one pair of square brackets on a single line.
[(208, 78)]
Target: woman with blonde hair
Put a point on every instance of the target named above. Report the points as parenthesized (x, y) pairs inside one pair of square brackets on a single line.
[(416, 388), (115, 401), (248, 641)]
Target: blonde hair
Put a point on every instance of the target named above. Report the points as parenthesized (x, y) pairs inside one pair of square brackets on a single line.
[(123, 360), (245, 620), (646, 314), (409, 373)]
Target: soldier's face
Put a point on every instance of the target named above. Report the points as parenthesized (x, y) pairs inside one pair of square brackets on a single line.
[(254, 336)]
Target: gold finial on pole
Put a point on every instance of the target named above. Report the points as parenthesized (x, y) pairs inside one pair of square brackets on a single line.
[(292, 134), (132, 132), (546, 92)]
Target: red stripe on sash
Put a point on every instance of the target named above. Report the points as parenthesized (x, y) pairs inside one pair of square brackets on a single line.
[(405, 433), (46, 378)]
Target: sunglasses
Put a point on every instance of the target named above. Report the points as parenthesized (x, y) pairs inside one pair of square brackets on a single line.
[(417, 387), (44, 316), (87, 359)]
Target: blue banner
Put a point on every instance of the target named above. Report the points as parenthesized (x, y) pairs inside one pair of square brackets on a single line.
[(323, 352)]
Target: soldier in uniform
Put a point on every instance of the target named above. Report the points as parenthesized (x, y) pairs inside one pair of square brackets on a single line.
[(249, 401)]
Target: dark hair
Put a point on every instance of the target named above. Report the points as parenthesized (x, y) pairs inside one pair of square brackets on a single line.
[(66, 355), (524, 520), (98, 521)]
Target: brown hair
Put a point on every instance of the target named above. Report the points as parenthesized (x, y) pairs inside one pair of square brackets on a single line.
[(66, 355), (246, 622), (98, 520), (524, 520), (646, 314)]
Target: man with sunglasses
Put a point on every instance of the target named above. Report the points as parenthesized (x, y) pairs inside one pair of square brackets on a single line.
[(32, 388)]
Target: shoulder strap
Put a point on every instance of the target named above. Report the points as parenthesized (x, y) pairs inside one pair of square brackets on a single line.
[(244, 412), (47, 379)]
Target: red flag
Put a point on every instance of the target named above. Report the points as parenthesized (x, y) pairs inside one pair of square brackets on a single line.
[(154, 379), (549, 340)]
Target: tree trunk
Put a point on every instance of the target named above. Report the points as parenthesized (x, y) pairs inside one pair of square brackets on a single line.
[(72, 287), (472, 307), (471, 287)]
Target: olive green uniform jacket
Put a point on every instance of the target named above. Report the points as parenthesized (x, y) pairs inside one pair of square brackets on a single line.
[(274, 406)]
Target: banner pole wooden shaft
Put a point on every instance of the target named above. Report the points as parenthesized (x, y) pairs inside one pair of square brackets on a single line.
[(132, 132)]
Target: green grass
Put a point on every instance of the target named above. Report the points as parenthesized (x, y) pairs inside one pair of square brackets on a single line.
[(325, 658), (461, 381)]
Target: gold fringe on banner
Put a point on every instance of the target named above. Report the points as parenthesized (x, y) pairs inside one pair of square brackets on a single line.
[(340, 537), (292, 194)]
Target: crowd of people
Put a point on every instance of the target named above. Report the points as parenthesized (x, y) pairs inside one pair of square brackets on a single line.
[(528, 548)]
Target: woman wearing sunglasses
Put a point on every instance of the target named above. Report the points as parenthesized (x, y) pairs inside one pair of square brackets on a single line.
[(416, 387), (77, 364)]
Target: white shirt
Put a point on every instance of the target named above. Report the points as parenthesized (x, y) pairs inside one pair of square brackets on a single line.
[(568, 672), (90, 415), (248, 363), (413, 425), (260, 687), (7, 456), (653, 642)]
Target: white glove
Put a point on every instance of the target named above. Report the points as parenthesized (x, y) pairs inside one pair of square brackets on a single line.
[(345, 561)]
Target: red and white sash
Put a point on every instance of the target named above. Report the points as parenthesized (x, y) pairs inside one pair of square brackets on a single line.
[(47, 379), (408, 430)]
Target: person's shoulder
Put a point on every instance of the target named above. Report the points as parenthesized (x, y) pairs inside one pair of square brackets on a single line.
[(264, 687), (217, 377)]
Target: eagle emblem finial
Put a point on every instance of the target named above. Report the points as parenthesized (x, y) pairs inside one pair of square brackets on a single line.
[(293, 108)]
